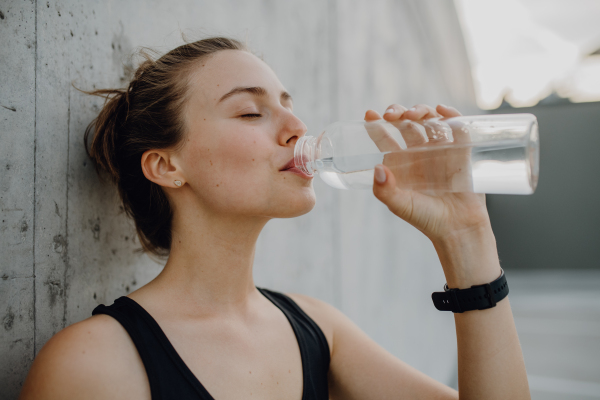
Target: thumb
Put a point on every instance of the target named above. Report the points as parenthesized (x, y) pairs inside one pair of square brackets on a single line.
[(385, 189)]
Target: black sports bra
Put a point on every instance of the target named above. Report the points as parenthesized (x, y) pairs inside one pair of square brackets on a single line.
[(170, 378)]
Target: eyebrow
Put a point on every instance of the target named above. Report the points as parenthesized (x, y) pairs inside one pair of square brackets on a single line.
[(255, 91)]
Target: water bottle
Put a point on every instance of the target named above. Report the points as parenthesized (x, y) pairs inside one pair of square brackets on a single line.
[(480, 154)]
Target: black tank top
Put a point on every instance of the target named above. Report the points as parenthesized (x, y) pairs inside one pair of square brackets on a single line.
[(170, 378)]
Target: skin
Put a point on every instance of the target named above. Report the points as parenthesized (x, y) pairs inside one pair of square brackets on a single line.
[(205, 299)]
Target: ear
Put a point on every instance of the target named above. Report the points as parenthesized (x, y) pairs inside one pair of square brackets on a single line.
[(160, 167)]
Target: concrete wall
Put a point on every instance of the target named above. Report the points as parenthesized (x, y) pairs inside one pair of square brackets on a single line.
[(66, 246)]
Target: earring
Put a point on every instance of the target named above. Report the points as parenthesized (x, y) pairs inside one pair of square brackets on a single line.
[(177, 183)]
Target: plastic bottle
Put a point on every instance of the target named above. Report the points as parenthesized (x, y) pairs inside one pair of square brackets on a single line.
[(481, 154)]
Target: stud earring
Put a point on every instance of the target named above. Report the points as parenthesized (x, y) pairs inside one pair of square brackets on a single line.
[(177, 183)]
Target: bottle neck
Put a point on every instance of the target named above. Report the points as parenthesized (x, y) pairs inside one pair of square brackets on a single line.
[(304, 154)]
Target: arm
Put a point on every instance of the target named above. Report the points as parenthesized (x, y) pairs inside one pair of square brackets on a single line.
[(490, 361)]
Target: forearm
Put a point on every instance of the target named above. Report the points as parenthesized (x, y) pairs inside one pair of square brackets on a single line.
[(490, 360)]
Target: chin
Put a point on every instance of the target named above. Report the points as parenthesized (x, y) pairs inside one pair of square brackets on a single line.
[(301, 203)]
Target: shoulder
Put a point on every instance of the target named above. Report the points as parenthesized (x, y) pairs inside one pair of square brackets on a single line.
[(324, 314), (341, 332), (88, 359)]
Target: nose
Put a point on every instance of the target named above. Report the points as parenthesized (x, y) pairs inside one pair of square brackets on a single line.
[(292, 129)]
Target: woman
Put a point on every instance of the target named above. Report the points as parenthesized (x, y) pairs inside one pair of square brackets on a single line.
[(200, 147)]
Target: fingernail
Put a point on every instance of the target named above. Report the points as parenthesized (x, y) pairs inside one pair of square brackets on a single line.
[(389, 110), (412, 109), (445, 106), (379, 174)]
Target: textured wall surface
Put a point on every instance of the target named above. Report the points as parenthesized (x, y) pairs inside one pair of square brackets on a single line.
[(65, 244)]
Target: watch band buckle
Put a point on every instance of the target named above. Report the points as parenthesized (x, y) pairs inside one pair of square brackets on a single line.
[(454, 305), (489, 293)]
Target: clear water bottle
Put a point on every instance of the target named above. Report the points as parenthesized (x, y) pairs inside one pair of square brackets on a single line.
[(481, 154)]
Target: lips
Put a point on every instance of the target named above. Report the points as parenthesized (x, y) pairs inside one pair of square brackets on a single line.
[(291, 167)]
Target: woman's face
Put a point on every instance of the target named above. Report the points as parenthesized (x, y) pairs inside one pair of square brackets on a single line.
[(240, 134)]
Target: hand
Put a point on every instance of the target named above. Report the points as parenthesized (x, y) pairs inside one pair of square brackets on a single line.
[(427, 164), (445, 217)]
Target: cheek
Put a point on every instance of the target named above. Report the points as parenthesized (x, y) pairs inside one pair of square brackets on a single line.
[(241, 160), (235, 166), (239, 173), (242, 154)]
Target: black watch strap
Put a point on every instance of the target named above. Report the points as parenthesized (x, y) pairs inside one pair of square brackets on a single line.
[(478, 297)]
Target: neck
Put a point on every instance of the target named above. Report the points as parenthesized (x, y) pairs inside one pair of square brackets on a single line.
[(211, 259)]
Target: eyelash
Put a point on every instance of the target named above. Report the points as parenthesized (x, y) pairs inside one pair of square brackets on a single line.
[(251, 116)]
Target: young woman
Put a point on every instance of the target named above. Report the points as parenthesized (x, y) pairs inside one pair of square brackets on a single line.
[(200, 146)]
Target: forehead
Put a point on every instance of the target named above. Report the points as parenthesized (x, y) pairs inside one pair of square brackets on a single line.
[(224, 70)]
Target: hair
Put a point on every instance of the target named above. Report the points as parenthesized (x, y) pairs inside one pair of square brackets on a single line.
[(147, 115)]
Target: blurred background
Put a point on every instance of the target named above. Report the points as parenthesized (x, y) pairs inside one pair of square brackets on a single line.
[(66, 246), (543, 57)]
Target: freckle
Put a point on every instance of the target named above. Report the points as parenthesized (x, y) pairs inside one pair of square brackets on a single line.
[(289, 371), (218, 186), (210, 162), (253, 159), (83, 352), (249, 372), (217, 85), (205, 119)]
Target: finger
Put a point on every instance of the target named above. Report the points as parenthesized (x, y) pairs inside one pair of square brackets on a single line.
[(460, 131), (371, 115), (447, 112), (414, 134), (421, 111), (437, 131), (384, 188), (394, 112), (381, 137)]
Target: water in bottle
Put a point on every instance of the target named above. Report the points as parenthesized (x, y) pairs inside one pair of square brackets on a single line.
[(481, 154)]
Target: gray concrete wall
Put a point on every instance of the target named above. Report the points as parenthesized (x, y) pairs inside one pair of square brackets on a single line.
[(66, 246)]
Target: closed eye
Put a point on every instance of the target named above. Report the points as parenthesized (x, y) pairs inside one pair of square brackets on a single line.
[(251, 116)]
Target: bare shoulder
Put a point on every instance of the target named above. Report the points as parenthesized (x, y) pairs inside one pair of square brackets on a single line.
[(92, 359), (324, 314)]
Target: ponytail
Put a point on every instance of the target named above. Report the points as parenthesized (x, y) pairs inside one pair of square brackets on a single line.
[(104, 128)]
